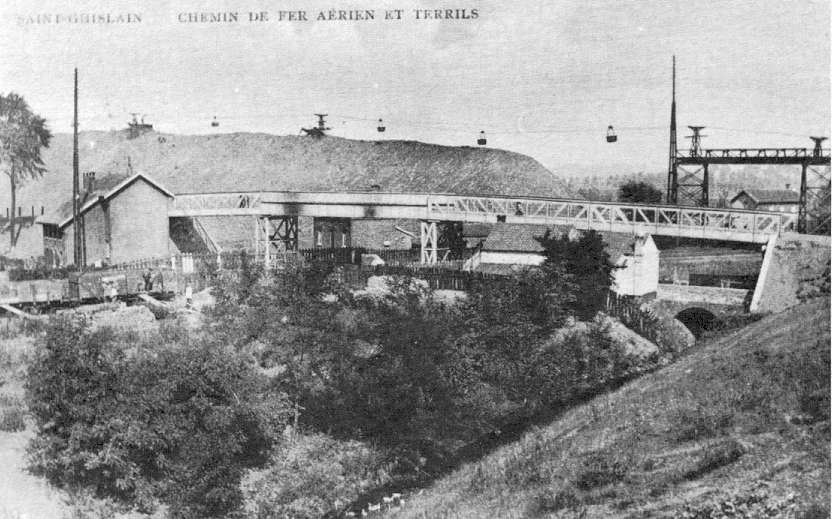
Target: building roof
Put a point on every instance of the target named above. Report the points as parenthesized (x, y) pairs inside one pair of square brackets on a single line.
[(105, 188), (476, 230), (501, 269), (507, 237), (770, 196), (522, 238)]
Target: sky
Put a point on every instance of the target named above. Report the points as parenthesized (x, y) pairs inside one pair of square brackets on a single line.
[(543, 78)]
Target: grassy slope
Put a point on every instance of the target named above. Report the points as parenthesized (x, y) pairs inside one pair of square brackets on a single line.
[(726, 422)]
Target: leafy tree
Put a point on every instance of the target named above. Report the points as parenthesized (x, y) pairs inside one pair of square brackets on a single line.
[(176, 424), (637, 192), (22, 135), (578, 272)]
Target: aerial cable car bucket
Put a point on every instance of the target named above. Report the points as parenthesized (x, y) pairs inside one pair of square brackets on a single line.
[(611, 136), (215, 123), (381, 126), (482, 141)]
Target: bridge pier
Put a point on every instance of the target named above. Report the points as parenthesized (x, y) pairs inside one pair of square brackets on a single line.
[(275, 235), (430, 242)]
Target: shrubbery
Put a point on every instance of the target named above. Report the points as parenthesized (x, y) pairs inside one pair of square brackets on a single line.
[(180, 421), (313, 476), (176, 424)]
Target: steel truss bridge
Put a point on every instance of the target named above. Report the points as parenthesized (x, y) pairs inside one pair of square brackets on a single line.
[(275, 214), (688, 179)]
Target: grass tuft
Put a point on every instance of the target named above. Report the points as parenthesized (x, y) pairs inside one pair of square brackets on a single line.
[(715, 456)]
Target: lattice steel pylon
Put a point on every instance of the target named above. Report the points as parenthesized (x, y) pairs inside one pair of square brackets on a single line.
[(815, 183), (692, 187), (274, 236)]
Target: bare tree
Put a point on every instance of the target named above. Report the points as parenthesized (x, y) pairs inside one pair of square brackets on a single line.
[(22, 135)]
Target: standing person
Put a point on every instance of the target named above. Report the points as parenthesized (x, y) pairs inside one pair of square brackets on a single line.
[(189, 296), (148, 280), (159, 281)]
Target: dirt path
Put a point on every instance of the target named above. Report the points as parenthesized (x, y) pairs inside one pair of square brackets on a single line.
[(22, 495)]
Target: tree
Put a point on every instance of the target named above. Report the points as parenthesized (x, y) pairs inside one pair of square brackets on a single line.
[(140, 423), (578, 272), (636, 192), (22, 135)]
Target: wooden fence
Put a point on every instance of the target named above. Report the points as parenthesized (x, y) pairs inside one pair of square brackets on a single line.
[(631, 314)]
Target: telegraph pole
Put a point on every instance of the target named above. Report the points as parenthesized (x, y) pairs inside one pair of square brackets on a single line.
[(77, 254), (672, 177)]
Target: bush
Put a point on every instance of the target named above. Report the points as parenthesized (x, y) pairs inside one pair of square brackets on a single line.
[(700, 422), (715, 456), (312, 476), (176, 424), (546, 503), (600, 469), (13, 419), (638, 192)]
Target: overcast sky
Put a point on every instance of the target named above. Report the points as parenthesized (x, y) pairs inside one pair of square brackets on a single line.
[(543, 78)]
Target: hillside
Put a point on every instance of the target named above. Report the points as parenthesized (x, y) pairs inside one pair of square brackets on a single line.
[(740, 422), (251, 162)]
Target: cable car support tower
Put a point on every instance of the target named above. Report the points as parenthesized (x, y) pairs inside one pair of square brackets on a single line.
[(692, 188)]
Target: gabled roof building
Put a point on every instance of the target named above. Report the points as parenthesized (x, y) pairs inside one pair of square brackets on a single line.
[(777, 200), (124, 218)]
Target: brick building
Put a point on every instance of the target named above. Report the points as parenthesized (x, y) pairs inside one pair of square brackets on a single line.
[(124, 218)]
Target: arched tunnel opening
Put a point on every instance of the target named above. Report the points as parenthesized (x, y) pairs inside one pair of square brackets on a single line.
[(698, 320)]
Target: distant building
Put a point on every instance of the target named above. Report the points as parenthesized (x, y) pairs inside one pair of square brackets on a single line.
[(125, 218), (775, 200), (511, 247)]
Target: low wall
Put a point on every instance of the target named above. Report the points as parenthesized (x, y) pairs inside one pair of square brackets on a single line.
[(695, 294)]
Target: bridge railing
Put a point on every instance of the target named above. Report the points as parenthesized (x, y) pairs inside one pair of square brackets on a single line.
[(218, 201), (758, 152), (696, 222), (693, 221)]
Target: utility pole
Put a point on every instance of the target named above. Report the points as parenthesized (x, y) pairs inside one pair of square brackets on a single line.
[(671, 196), (77, 254)]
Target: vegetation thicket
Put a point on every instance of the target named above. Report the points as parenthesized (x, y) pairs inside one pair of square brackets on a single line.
[(304, 397), (639, 192)]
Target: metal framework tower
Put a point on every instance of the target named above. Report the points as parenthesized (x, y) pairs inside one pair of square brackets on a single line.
[(274, 236), (319, 130), (814, 211), (693, 186)]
